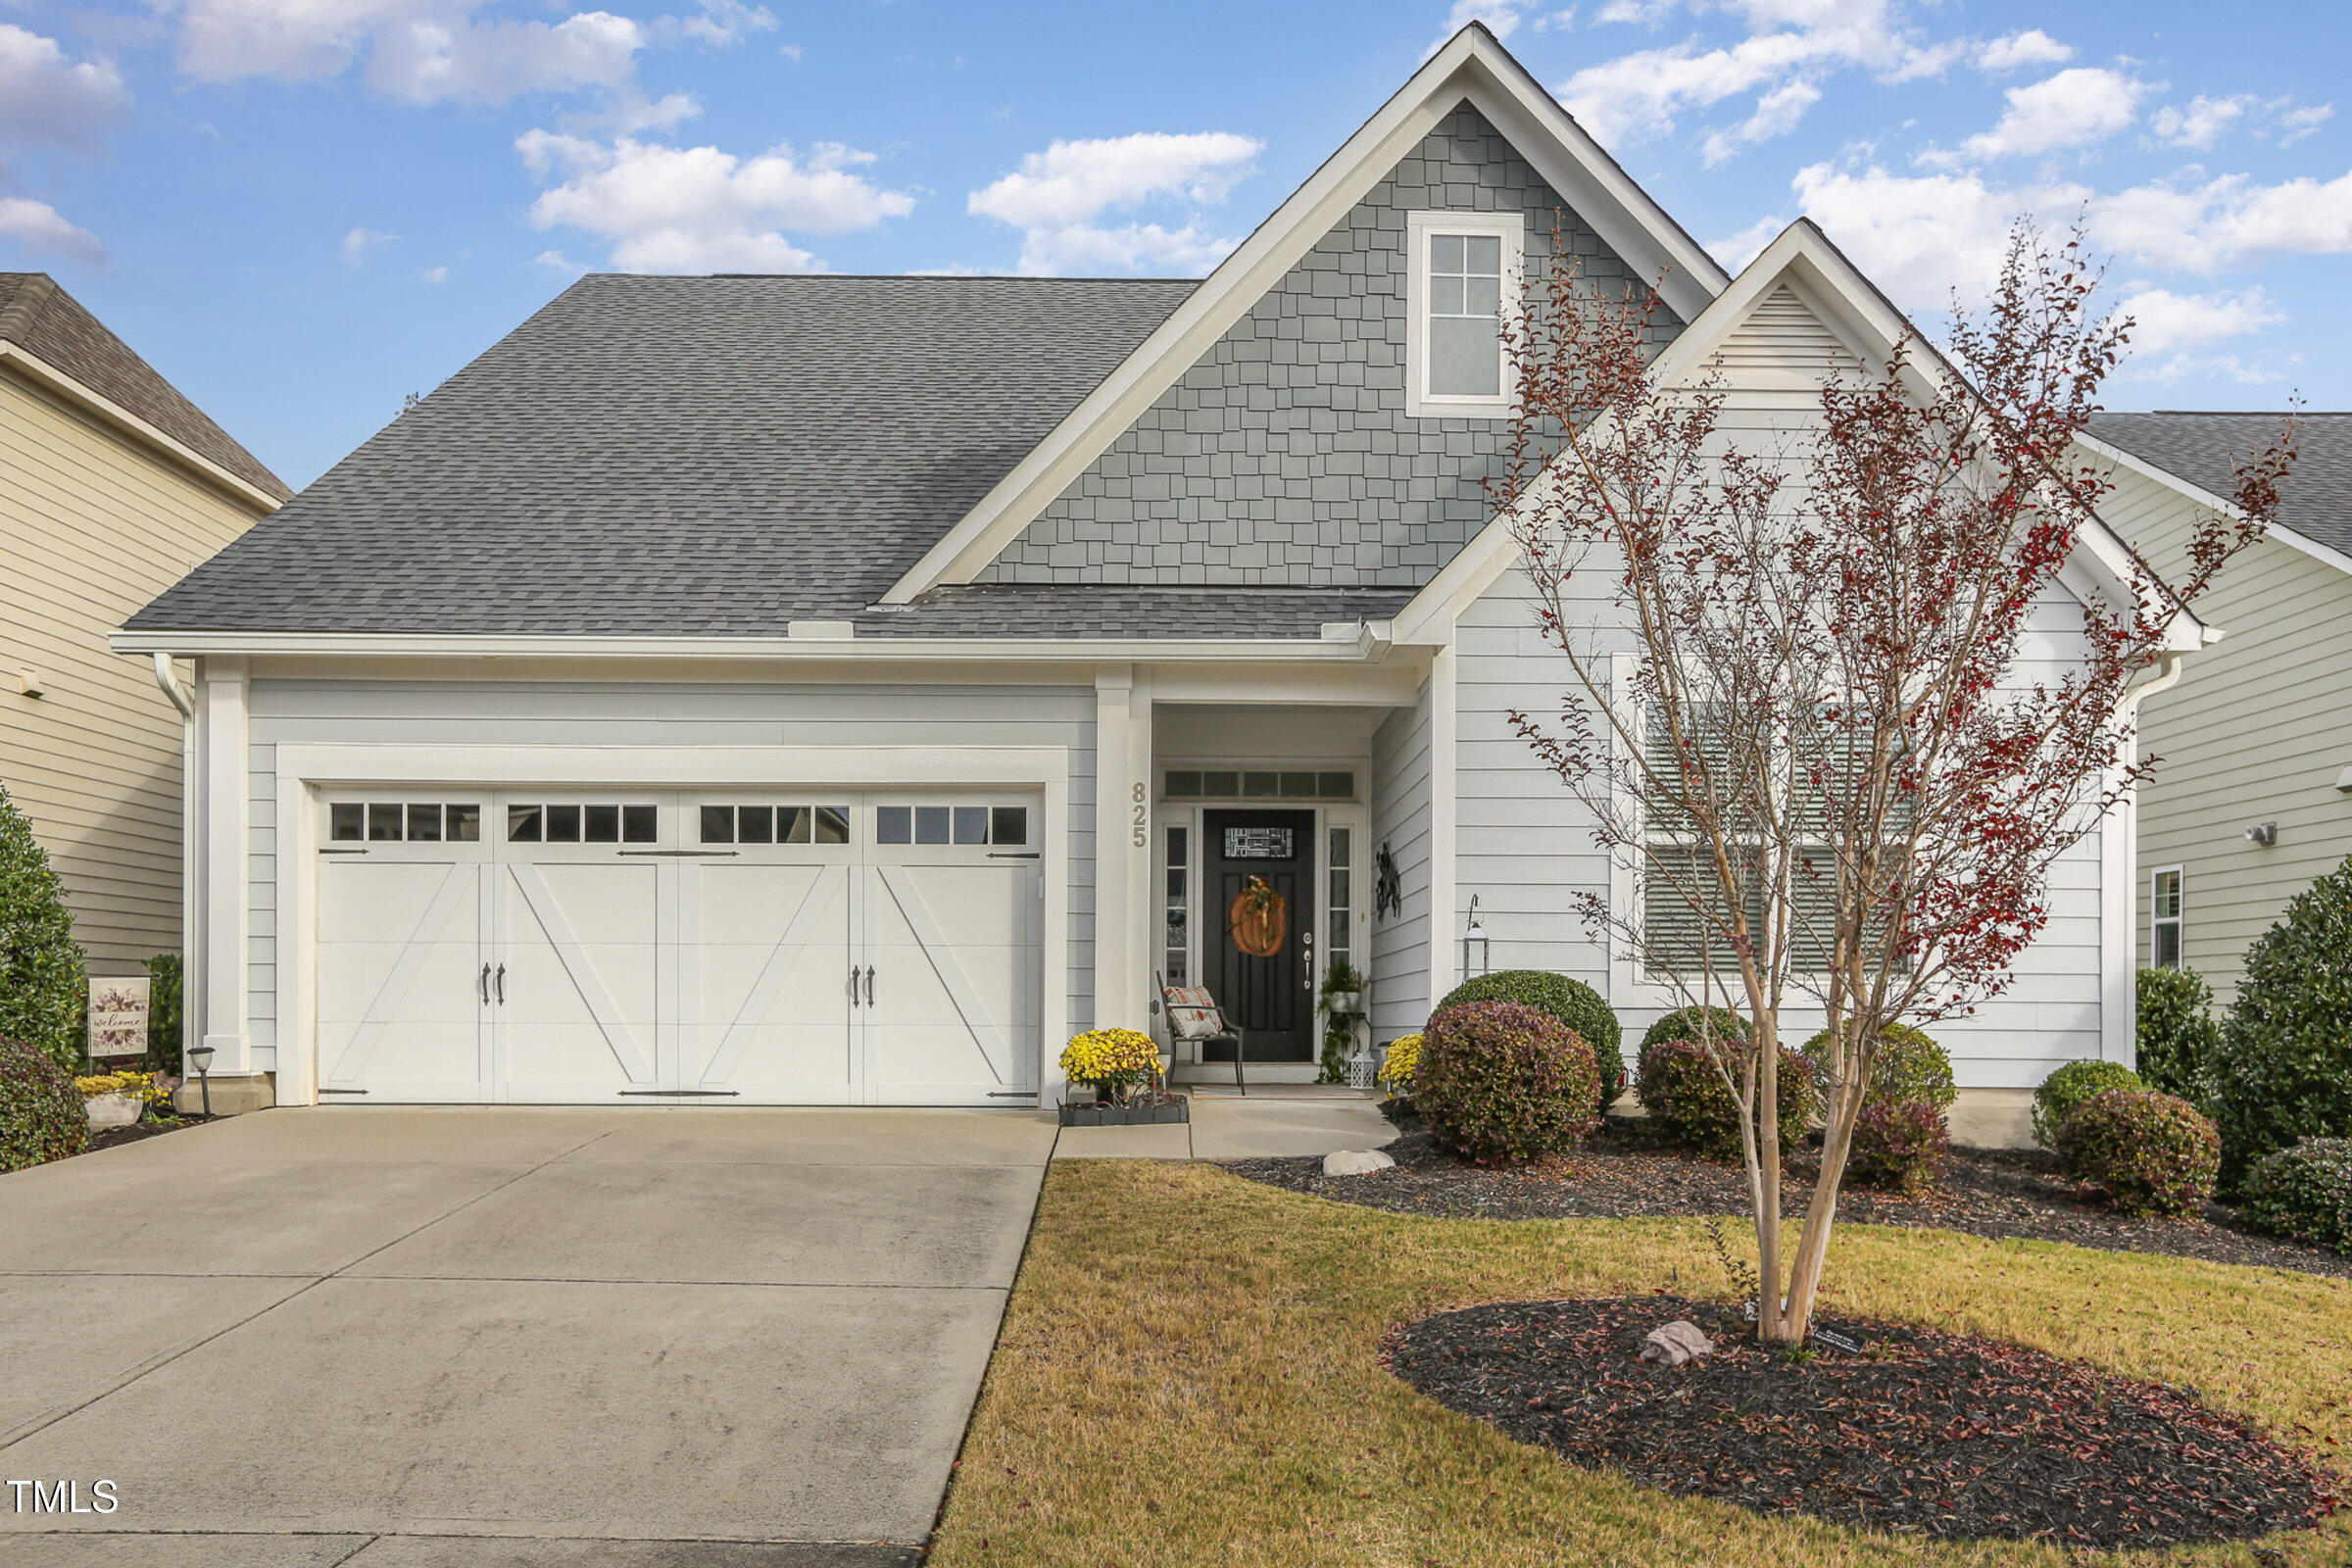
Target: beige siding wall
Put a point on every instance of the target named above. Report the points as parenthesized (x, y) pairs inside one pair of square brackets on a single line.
[(2257, 730), (91, 528)]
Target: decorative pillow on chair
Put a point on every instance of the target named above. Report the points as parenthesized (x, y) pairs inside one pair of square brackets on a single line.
[(1193, 1014)]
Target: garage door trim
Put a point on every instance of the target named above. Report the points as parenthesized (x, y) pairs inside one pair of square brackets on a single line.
[(304, 770)]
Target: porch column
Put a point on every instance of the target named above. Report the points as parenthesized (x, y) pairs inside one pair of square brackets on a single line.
[(219, 811), (1122, 847)]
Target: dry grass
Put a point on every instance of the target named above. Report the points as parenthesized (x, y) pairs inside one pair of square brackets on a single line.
[(1188, 1376)]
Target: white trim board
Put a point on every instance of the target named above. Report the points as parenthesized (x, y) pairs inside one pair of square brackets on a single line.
[(1471, 66), (303, 769)]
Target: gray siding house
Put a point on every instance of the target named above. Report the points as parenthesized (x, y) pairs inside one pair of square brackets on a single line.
[(2253, 795), (842, 690)]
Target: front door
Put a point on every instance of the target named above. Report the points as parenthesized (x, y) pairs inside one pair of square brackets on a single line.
[(1271, 999)]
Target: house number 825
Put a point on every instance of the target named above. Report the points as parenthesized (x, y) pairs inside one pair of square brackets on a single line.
[(1142, 817)]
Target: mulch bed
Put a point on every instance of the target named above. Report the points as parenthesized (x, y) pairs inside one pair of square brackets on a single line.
[(1927, 1434), (1623, 1172), (138, 1131)]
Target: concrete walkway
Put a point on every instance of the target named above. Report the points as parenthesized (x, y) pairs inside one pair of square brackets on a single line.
[(498, 1337), (1269, 1120)]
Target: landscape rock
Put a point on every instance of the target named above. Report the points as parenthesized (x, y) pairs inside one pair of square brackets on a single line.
[(1675, 1343), (1357, 1162)]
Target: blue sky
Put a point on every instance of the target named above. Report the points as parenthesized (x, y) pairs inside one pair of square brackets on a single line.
[(301, 210)]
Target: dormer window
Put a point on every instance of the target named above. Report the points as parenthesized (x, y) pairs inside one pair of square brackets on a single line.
[(1464, 266)]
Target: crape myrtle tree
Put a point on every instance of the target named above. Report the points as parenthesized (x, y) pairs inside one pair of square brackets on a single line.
[(1825, 697)]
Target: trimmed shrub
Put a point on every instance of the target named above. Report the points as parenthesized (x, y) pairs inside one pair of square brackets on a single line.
[(1572, 1002), (2070, 1085), (2304, 1193), (1908, 1066), (42, 992), (1499, 1082), (1899, 1145), (2145, 1152), (1689, 1102), (1722, 1023), (2285, 1070), (2178, 1037), (42, 1114)]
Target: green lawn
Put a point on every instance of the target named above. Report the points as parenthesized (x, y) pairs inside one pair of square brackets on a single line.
[(1188, 1376)]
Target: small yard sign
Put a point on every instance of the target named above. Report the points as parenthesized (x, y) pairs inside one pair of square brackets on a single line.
[(119, 1017)]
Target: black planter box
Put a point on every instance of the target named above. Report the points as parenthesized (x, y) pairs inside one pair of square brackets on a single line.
[(1077, 1115)]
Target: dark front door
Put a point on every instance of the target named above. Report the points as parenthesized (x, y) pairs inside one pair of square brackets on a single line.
[(1271, 998)]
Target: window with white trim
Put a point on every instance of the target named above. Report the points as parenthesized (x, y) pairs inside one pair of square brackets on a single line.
[(1464, 268), (2164, 918)]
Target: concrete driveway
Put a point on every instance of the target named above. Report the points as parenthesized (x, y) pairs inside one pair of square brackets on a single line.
[(608, 1339)]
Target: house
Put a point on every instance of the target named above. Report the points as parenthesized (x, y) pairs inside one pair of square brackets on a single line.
[(111, 486), (2252, 795), (843, 689)]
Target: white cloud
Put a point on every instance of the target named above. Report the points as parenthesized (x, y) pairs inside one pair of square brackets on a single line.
[(2079, 106), (38, 228), (1736, 251), (2202, 123), (47, 96), (1636, 13), (1777, 114), (720, 24), (2168, 322), (1056, 196), (359, 242), (2018, 50), (433, 274), (1501, 17), (2226, 221), (1072, 182), (664, 208), (1920, 236), (419, 51), (1639, 95), (2302, 123)]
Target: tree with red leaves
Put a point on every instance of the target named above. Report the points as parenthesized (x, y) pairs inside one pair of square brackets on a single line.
[(1841, 694)]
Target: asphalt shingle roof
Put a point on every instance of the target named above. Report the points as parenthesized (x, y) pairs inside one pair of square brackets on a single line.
[(49, 323), (2205, 449), (1085, 609), (685, 456)]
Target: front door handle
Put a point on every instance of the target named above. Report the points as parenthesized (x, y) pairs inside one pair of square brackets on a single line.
[(501, 984), (869, 985), (485, 985)]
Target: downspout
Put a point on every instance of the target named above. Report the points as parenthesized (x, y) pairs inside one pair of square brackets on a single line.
[(169, 682)]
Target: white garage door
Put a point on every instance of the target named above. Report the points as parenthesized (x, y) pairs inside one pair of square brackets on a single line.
[(782, 948)]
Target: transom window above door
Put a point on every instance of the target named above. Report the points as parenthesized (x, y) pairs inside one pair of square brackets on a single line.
[(1465, 268), (951, 824), (775, 824), (404, 823), (565, 823), (1243, 784)]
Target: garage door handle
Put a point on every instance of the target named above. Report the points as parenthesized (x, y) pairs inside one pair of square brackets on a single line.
[(853, 985), (501, 984), (869, 985), (485, 985)]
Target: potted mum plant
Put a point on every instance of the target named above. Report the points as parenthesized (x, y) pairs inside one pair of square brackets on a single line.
[(1122, 1067), (117, 1099)]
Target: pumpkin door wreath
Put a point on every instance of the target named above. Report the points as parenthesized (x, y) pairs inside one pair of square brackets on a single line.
[(1260, 919)]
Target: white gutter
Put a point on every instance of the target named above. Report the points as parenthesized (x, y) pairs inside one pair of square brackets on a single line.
[(1344, 642), (169, 682)]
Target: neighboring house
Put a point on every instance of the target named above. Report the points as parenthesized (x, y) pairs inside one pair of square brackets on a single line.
[(111, 486), (2251, 796), (839, 689)]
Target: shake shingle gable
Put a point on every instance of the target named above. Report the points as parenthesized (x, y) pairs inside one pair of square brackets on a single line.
[(681, 456)]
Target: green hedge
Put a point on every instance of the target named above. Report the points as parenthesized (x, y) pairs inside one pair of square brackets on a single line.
[(41, 1114), (1691, 1105), (2145, 1152), (2304, 1193), (2070, 1085), (1499, 1082), (1907, 1067), (2178, 1037), (2284, 1072), (42, 989), (1572, 1002)]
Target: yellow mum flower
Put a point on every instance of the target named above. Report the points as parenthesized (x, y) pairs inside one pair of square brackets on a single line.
[(1397, 1067)]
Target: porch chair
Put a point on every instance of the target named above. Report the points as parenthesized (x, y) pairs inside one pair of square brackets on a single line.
[(1194, 1015)]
